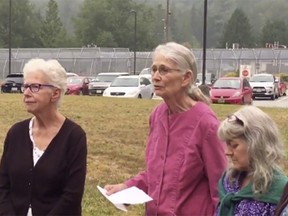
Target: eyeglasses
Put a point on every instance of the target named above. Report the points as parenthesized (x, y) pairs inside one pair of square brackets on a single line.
[(234, 118), (35, 87), (162, 70)]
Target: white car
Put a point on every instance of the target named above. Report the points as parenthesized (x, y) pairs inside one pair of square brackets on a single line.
[(70, 74), (133, 86), (103, 81), (264, 85), (146, 72)]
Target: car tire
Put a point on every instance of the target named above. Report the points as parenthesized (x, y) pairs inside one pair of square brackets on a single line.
[(139, 96), (273, 97)]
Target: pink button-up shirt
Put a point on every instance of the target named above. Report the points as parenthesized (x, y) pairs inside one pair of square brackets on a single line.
[(184, 161)]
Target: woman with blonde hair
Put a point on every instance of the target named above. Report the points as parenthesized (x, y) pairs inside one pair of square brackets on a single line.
[(254, 181)]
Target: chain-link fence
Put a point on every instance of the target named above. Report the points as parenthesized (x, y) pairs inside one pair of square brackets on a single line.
[(91, 61)]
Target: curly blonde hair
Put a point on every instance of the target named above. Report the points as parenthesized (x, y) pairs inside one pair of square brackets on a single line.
[(265, 147)]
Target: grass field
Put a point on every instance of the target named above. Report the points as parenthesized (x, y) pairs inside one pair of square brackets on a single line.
[(116, 132)]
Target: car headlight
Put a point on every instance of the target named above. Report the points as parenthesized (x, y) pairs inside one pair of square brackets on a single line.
[(269, 87)]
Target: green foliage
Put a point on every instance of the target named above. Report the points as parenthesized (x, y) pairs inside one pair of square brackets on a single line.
[(24, 24), (110, 23), (52, 33), (284, 76), (274, 31), (237, 31), (232, 74)]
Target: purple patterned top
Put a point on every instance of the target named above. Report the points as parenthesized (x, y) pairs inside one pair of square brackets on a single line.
[(248, 207)]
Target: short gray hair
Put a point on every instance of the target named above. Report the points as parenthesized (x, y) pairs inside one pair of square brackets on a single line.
[(265, 146), (185, 60), (51, 69)]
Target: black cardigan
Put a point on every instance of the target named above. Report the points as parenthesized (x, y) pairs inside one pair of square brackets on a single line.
[(55, 185)]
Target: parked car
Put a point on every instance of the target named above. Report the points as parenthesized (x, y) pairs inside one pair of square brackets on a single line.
[(77, 85), (210, 79), (12, 83), (264, 85), (231, 90), (102, 81), (70, 74), (133, 86), (282, 88), (146, 72)]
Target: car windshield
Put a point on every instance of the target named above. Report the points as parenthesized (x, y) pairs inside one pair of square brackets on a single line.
[(125, 82), (105, 78), (227, 84), (74, 80), (14, 78), (262, 79)]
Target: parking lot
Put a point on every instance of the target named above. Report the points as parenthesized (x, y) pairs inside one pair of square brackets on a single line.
[(281, 102)]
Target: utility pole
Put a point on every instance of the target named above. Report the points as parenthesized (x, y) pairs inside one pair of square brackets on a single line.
[(168, 12), (10, 36), (135, 38), (204, 43), (166, 23)]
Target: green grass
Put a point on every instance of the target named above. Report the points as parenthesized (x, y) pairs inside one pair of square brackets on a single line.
[(116, 131)]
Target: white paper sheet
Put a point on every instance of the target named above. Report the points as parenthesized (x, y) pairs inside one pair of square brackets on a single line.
[(132, 196)]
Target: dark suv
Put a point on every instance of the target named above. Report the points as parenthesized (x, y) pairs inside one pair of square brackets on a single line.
[(12, 83)]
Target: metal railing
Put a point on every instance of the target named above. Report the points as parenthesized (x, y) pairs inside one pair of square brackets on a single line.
[(91, 61)]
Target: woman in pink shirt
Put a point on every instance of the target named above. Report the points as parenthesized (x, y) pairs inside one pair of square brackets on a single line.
[(184, 157)]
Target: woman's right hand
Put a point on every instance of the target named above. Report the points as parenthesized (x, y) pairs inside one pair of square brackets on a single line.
[(111, 189)]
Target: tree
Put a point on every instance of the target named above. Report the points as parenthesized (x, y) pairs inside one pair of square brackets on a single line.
[(274, 31), (52, 32), (24, 24), (109, 23), (237, 30)]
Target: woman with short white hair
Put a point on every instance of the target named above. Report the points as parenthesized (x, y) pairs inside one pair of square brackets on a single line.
[(43, 166)]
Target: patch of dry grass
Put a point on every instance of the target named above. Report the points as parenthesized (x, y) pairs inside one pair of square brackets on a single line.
[(116, 130)]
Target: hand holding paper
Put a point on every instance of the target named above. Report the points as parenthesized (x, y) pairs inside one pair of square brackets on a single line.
[(132, 195)]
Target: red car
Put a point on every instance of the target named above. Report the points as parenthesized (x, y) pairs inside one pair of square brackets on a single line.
[(231, 90), (281, 86), (77, 85)]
